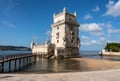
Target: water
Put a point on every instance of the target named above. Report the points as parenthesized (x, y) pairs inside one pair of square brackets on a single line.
[(113, 58), (65, 65), (59, 65), (95, 54), (90, 54), (12, 62), (53, 66), (13, 52)]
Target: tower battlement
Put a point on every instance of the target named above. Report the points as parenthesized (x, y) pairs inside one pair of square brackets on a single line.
[(64, 15)]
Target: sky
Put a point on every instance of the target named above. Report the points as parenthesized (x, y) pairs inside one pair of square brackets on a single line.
[(24, 21)]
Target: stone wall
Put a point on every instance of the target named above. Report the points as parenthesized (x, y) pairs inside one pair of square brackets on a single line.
[(111, 53), (43, 49), (40, 49)]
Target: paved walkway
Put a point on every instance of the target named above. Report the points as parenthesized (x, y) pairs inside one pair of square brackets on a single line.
[(108, 75)]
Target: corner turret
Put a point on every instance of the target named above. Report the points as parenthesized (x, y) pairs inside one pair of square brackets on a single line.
[(75, 14), (47, 42), (64, 10), (32, 44)]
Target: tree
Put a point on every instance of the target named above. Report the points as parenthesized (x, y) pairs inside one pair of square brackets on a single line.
[(115, 47)]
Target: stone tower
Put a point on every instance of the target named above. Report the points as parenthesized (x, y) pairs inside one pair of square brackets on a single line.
[(65, 30)]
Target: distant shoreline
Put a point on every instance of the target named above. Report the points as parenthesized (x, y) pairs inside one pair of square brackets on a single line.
[(14, 48), (104, 53)]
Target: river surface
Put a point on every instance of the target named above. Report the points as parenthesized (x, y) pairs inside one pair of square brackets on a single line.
[(57, 65), (13, 52)]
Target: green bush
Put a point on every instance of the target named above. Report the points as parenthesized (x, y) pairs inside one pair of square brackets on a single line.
[(115, 47)]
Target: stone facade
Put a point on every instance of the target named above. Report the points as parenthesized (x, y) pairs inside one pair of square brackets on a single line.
[(65, 31), (45, 49), (65, 39)]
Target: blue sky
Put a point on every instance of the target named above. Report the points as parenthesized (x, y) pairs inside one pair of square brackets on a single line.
[(22, 21)]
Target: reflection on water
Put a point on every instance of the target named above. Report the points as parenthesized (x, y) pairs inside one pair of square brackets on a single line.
[(62, 65), (113, 58), (54, 65), (90, 54)]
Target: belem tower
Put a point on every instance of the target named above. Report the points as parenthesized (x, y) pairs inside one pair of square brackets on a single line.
[(64, 37)]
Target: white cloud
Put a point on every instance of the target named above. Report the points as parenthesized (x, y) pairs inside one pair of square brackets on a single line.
[(85, 43), (48, 33), (97, 33), (110, 28), (90, 27), (96, 9), (88, 16), (108, 25), (8, 24), (91, 43), (85, 38), (102, 39), (113, 30), (93, 28), (97, 28), (113, 8)]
